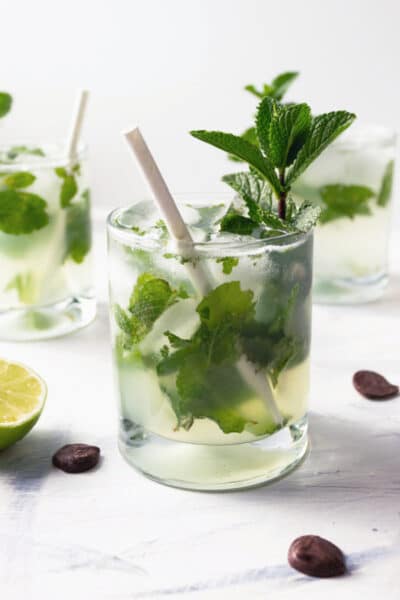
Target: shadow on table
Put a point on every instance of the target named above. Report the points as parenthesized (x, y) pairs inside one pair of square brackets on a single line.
[(348, 462), (27, 463)]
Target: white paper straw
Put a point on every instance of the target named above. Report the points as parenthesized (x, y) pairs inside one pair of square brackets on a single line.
[(76, 124), (199, 276)]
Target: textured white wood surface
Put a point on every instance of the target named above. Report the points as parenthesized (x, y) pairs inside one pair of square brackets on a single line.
[(112, 534)]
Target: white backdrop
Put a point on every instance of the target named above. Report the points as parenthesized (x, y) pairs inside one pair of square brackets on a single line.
[(176, 65)]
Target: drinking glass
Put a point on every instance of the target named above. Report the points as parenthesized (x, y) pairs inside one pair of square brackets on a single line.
[(352, 182), (212, 384), (45, 242)]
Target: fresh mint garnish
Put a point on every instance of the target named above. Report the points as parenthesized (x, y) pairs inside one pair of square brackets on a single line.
[(69, 187), (207, 381), (78, 230), (5, 103), (344, 201), (385, 191), (15, 151), (150, 297), (228, 264), (290, 139), (233, 222), (324, 130), (256, 196), (277, 88), (255, 192), (21, 212), (21, 179), (274, 90)]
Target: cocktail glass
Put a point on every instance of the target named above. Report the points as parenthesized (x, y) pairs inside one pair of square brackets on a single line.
[(212, 387), (45, 242), (352, 182)]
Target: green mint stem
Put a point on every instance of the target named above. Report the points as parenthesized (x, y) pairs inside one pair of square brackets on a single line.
[(282, 196)]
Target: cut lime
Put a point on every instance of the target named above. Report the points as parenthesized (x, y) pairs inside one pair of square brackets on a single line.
[(22, 397)]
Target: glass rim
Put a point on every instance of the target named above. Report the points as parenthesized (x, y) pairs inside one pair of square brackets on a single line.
[(129, 237), (57, 157)]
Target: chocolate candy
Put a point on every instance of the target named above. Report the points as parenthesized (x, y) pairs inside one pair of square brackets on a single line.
[(76, 458), (374, 386), (317, 557)]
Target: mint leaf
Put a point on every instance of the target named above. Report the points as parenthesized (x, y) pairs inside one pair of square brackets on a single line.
[(272, 221), (265, 90), (21, 179), (284, 352), (255, 192), (207, 382), (227, 302), (61, 172), (241, 149), (150, 297), (5, 103), (78, 232), (276, 89), (288, 131), (344, 201), (228, 264), (385, 191), (21, 213), (15, 151), (69, 187), (282, 82), (250, 135), (234, 222), (305, 217), (324, 130), (267, 110)]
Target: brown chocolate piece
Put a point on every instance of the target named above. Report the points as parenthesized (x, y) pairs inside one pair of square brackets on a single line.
[(76, 458), (374, 386), (317, 557)]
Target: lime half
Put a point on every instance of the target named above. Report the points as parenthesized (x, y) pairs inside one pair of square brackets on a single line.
[(22, 397)]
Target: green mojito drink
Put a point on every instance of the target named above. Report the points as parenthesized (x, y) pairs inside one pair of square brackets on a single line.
[(45, 242), (178, 353), (211, 311), (352, 183)]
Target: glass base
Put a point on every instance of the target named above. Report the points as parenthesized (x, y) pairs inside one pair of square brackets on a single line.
[(44, 322), (349, 290), (214, 467)]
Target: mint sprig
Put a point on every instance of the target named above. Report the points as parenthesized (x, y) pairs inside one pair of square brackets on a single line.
[(277, 88), (256, 196), (290, 139)]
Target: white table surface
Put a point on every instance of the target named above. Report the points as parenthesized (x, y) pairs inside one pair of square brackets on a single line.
[(112, 534)]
